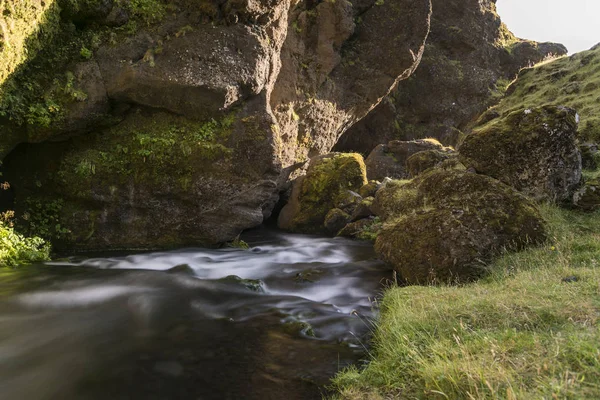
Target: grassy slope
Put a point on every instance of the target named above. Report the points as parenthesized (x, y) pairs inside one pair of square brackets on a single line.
[(520, 333), (571, 81)]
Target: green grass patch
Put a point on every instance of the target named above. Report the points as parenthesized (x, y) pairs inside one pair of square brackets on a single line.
[(527, 331), (570, 81)]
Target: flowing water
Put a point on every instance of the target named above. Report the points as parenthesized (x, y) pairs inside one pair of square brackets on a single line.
[(273, 322)]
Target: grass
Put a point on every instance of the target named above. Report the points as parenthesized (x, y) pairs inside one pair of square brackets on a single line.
[(528, 331), (570, 81)]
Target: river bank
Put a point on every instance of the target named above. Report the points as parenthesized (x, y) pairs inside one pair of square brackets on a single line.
[(528, 330)]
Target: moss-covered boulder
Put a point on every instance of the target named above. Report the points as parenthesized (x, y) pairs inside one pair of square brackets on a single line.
[(445, 225), (534, 150), (335, 220), (424, 160), (389, 160), (328, 178), (587, 198), (369, 189), (154, 181)]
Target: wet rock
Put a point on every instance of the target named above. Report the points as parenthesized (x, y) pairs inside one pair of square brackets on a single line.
[(328, 177), (389, 160), (254, 285), (183, 269), (335, 220), (587, 197), (533, 150), (444, 226)]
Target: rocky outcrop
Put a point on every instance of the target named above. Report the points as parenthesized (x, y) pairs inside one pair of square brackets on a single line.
[(389, 160), (445, 225), (470, 59), (572, 81), (534, 150), (329, 183), (192, 111)]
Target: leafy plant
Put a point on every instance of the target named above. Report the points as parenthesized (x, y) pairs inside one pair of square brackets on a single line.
[(16, 249)]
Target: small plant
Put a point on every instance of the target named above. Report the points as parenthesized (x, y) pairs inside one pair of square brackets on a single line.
[(86, 53), (16, 249)]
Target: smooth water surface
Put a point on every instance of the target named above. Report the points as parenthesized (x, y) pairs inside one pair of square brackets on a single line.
[(273, 322)]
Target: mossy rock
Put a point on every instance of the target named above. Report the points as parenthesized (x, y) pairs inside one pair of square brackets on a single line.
[(533, 150), (552, 82), (156, 180), (369, 189), (335, 220), (587, 198), (445, 226), (424, 160), (389, 160), (327, 180), (354, 229)]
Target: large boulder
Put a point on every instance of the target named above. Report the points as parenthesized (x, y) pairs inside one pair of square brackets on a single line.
[(389, 160), (326, 184), (182, 126), (534, 150), (444, 226), (424, 160), (470, 59)]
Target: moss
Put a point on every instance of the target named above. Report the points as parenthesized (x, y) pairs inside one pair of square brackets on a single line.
[(369, 189), (327, 178), (41, 41), (534, 150), (424, 160), (147, 147), (443, 224), (553, 83)]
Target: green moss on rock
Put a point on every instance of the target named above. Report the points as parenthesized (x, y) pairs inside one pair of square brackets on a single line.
[(424, 160), (445, 225), (570, 81), (533, 150), (328, 177)]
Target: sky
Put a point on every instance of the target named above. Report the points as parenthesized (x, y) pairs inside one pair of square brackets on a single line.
[(574, 23)]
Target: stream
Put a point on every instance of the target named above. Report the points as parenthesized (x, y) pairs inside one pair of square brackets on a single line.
[(276, 321)]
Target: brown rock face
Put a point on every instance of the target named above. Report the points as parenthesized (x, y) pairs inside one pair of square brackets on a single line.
[(469, 60), (213, 104)]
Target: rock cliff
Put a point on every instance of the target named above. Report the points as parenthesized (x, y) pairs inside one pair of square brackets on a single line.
[(470, 59), (152, 124)]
